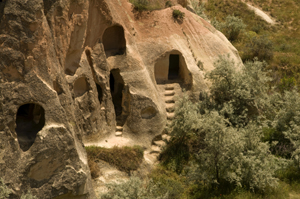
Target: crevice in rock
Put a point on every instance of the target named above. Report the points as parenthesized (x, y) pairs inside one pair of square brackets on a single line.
[(116, 87)]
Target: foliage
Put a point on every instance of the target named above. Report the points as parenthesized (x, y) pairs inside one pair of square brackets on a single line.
[(133, 189), (177, 154), (234, 157), (260, 47), (140, 5), (168, 4), (287, 121), (4, 190), (124, 158), (28, 195), (199, 9), (240, 95), (177, 14), (227, 126), (284, 35), (232, 27), (169, 182)]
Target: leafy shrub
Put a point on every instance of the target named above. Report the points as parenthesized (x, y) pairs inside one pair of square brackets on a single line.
[(231, 28), (168, 4), (258, 46), (140, 5), (133, 189), (168, 181), (239, 95), (4, 190), (177, 14), (287, 121), (28, 195), (199, 9), (124, 158)]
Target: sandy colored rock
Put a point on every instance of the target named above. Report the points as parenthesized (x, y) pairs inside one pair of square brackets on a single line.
[(72, 71)]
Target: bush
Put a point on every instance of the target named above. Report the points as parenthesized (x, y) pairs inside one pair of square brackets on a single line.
[(258, 46), (28, 195), (231, 28), (239, 95), (177, 14), (168, 181), (133, 189), (140, 5), (199, 9), (4, 190), (124, 158), (168, 4)]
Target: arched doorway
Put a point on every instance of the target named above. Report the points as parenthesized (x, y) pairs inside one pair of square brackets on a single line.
[(30, 120), (114, 41), (171, 66)]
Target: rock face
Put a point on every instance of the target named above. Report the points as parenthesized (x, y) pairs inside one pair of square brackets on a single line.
[(75, 72)]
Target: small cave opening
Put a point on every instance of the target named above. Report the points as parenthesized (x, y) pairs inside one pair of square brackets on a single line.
[(116, 88), (30, 120), (100, 93), (81, 86), (173, 66), (114, 41)]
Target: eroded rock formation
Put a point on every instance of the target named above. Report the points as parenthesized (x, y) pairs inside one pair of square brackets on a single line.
[(75, 72)]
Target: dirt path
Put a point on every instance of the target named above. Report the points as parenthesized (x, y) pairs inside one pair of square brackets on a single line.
[(262, 14)]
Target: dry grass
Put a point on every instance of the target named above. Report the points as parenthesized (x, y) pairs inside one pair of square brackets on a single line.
[(125, 159)]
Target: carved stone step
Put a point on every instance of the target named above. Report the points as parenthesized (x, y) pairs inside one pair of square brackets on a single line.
[(166, 137), (119, 128), (169, 93), (119, 133), (156, 149), (160, 143), (169, 87), (170, 116), (169, 99), (170, 107)]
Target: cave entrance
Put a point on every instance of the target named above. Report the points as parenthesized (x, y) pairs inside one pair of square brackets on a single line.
[(116, 87), (30, 120), (114, 41), (173, 67)]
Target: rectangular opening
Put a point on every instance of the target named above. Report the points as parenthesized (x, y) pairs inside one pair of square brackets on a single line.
[(173, 67)]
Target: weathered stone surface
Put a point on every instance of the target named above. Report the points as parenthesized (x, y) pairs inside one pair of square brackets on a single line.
[(91, 65)]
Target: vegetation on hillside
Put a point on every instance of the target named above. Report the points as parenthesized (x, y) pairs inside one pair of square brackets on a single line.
[(277, 44)]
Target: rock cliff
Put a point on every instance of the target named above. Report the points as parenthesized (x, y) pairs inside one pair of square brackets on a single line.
[(76, 72)]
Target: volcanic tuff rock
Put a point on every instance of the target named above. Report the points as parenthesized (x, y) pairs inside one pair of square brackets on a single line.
[(74, 72)]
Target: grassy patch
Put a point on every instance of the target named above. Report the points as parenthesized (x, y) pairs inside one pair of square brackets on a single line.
[(147, 5), (124, 158), (177, 14), (285, 35)]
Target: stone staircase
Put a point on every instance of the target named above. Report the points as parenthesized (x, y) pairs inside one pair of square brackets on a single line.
[(119, 131), (169, 91)]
